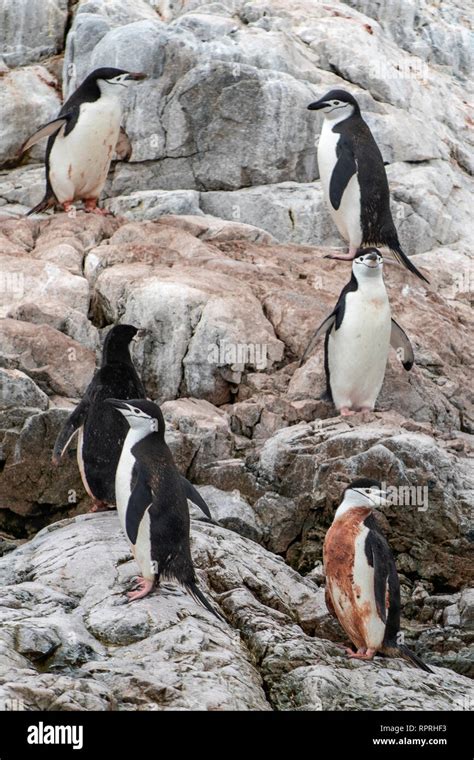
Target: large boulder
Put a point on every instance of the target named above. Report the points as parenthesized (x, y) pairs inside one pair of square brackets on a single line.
[(28, 99), (70, 640), (40, 33), (56, 362)]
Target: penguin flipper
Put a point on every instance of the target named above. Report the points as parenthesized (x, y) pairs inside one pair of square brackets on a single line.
[(75, 420), (140, 499), (193, 495), (45, 131), (401, 343), (376, 552), (323, 328), (386, 583), (123, 148), (343, 171)]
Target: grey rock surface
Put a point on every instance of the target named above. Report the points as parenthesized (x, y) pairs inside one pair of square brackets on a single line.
[(70, 640), (32, 29), (217, 247)]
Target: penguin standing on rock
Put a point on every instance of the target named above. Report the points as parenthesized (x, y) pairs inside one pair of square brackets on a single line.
[(151, 502), (359, 332), (83, 139), (102, 431), (354, 180), (362, 586)]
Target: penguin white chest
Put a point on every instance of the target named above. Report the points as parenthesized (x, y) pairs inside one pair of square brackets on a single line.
[(347, 216), (79, 162), (358, 350)]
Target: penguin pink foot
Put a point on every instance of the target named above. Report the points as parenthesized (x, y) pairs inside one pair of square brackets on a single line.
[(346, 412), (92, 207), (362, 654), (143, 589), (349, 256), (67, 206), (101, 506)]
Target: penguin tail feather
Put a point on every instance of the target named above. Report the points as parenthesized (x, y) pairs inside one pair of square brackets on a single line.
[(405, 260), (407, 654), (47, 202), (197, 594), (209, 521)]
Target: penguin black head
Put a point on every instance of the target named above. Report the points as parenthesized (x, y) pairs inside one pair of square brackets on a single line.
[(142, 415), (116, 343), (110, 81), (336, 105), (364, 492), (368, 263)]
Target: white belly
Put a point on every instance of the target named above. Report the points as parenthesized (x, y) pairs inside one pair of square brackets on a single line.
[(347, 216), (358, 613), (79, 162), (358, 351)]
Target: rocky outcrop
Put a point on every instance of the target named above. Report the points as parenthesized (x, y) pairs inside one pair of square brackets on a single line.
[(70, 641), (217, 250), (221, 125), (226, 312), (33, 31)]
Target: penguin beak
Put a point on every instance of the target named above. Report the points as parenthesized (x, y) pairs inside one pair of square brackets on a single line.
[(371, 257), (136, 75), (317, 105), (381, 496)]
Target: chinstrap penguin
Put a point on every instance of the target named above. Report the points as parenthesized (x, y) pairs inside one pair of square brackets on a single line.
[(354, 179), (359, 332), (82, 140), (362, 585), (101, 430), (152, 504)]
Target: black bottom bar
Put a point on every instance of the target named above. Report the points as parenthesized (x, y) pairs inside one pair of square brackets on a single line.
[(129, 735)]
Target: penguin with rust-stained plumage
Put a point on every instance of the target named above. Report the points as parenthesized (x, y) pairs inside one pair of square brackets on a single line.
[(362, 585)]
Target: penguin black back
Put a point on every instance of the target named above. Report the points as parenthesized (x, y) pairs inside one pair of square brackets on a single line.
[(103, 431)]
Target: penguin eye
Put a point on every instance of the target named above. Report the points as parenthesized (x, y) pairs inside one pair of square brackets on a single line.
[(361, 259), (336, 102), (137, 411)]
